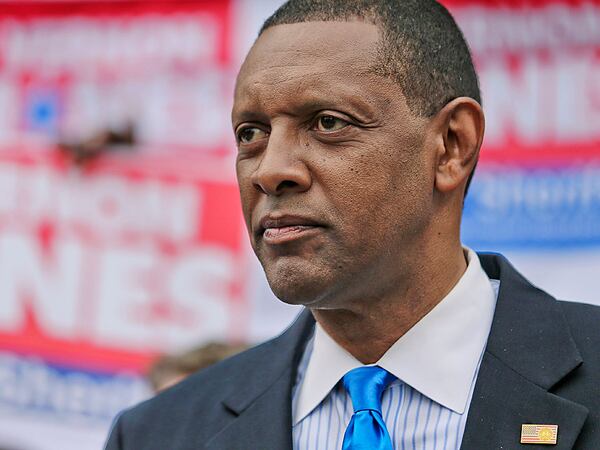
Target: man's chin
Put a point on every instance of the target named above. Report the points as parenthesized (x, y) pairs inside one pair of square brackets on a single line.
[(296, 293), (296, 287)]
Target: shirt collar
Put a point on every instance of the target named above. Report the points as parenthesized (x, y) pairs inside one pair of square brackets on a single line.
[(438, 356)]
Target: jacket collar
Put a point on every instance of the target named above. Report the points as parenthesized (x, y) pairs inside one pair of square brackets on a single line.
[(530, 349)]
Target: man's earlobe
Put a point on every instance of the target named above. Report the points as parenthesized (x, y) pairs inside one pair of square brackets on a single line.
[(461, 123)]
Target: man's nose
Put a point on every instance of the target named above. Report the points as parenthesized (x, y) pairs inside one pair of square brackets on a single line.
[(281, 169)]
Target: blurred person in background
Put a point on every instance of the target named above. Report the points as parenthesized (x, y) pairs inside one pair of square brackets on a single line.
[(90, 149), (359, 125), (170, 369)]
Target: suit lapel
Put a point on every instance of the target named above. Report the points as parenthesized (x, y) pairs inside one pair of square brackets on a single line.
[(260, 406), (529, 350), (266, 421)]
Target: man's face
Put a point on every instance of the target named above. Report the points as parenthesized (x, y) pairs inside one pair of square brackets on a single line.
[(336, 186)]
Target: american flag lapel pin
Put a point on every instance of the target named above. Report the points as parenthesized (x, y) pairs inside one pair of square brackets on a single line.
[(538, 434)]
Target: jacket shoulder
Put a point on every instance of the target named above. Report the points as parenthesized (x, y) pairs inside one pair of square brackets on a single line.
[(582, 384), (188, 414), (192, 409), (584, 323)]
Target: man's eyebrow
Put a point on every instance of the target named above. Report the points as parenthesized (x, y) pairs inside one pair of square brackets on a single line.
[(299, 106), (248, 111), (246, 115), (359, 109)]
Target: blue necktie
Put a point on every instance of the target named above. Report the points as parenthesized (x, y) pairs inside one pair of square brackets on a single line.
[(367, 430)]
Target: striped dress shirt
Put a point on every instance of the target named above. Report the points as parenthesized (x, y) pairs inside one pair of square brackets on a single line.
[(436, 363)]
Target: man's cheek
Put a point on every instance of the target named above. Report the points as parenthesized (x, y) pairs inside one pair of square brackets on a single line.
[(247, 200)]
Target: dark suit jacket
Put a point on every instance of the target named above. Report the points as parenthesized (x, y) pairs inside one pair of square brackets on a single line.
[(541, 365)]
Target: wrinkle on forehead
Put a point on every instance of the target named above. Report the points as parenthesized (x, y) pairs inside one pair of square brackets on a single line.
[(306, 38), (274, 74), (284, 48)]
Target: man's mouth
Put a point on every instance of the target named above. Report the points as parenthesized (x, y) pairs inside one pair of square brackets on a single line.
[(282, 235), (276, 230)]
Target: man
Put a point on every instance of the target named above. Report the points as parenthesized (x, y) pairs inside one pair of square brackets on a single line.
[(358, 126)]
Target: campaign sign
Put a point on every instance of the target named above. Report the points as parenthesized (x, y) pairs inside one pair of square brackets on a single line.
[(104, 265), (539, 68)]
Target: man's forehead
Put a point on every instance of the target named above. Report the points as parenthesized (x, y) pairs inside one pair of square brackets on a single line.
[(303, 67), (336, 33), (311, 46)]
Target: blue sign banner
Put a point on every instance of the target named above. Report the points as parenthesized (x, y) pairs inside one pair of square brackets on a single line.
[(510, 207), (31, 385)]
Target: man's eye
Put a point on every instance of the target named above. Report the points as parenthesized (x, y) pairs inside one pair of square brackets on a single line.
[(330, 123), (250, 134)]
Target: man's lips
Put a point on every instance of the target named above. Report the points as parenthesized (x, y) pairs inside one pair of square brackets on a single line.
[(282, 229)]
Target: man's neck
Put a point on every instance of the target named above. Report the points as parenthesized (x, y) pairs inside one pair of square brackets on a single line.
[(369, 330)]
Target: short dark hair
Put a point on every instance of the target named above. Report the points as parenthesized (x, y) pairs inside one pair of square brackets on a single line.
[(421, 46)]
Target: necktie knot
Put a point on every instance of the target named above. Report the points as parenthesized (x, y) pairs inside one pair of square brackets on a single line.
[(365, 385)]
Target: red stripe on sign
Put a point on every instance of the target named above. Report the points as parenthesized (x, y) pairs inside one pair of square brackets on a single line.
[(513, 4), (29, 9), (543, 155), (221, 223), (69, 354)]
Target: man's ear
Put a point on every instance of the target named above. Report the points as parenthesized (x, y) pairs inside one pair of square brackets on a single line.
[(460, 125)]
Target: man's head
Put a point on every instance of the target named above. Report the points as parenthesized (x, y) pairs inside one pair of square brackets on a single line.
[(357, 133)]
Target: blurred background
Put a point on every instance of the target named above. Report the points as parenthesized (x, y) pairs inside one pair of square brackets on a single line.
[(120, 232)]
